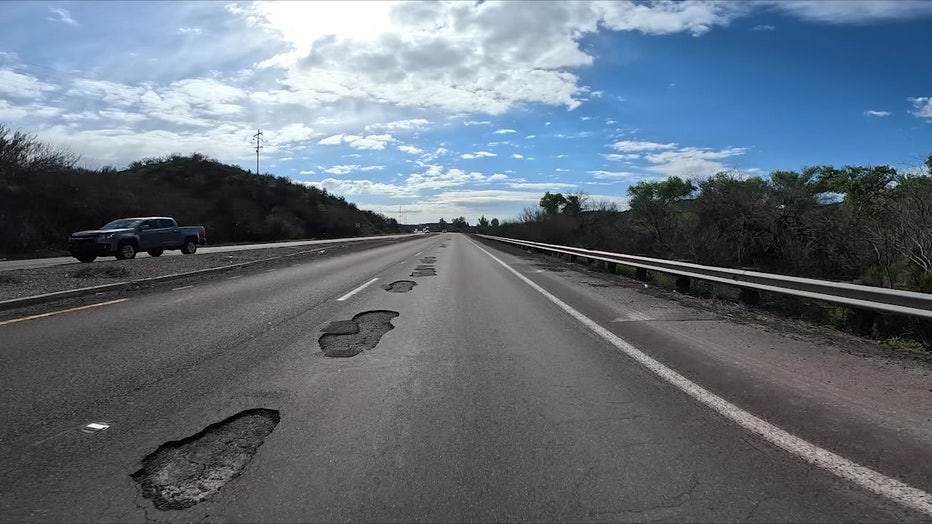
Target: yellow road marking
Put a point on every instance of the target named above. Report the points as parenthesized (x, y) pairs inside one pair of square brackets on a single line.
[(33, 317)]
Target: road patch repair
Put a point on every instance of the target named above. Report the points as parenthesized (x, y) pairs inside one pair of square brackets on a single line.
[(348, 338), (424, 270), (400, 286), (185, 472)]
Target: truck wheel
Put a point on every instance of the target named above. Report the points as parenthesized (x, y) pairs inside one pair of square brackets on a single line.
[(87, 259), (189, 247), (155, 252), (126, 251)]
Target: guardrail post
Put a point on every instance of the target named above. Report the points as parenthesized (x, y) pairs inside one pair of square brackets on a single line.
[(749, 296), (612, 267), (862, 321), (640, 274), (682, 284)]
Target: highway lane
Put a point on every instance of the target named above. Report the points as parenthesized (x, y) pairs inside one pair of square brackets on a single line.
[(32, 263), (485, 402)]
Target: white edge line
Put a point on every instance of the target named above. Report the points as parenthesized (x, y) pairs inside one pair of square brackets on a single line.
[(59, 312), (357, 290), (863, 476)]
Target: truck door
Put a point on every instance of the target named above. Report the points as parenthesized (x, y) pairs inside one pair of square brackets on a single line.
[(149, 235), (170, 237)]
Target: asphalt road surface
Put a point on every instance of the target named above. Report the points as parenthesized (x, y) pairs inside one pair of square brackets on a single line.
[(8, 265), (499, 388)]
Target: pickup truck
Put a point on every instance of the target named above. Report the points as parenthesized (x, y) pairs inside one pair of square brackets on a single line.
[(125, 237)]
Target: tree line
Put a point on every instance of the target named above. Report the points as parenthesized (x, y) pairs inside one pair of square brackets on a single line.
[(45, 195), (863, 224)]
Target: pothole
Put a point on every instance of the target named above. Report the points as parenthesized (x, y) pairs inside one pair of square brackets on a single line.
[(424, 271), (348, 338), (400, 286), (185, 472)]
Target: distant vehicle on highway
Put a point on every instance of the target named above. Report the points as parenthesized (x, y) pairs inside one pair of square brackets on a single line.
[(125, 237)]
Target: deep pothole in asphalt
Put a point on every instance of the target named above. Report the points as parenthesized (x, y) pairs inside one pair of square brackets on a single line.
[(348, 338), (185, 472), (424, 271), (400, 286)]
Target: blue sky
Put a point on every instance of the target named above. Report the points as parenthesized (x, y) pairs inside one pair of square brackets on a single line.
[(449, 109)]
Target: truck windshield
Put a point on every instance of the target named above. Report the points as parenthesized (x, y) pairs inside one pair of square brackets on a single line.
[(121, 224)]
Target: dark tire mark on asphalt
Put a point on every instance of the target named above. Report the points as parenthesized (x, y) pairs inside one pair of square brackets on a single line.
[(185, 472), (341, 339), (400, 286)]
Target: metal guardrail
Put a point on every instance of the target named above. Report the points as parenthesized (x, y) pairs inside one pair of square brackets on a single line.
[(853, 295)]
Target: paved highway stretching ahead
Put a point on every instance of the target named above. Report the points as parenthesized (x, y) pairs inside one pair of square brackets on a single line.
[(32, 263), (495, 396)]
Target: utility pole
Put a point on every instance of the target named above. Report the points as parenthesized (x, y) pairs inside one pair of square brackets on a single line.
[(258, 138)]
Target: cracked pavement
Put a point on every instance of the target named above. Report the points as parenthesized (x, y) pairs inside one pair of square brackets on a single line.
[(483, 403)]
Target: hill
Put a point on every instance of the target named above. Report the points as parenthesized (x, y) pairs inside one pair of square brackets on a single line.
[(44, 197)]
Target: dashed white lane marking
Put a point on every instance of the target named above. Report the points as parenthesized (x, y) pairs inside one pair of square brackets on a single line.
[(235, 277), (43, 315), (357, 290), (418, 253), (182, 287), (863, 476), (270, 270)]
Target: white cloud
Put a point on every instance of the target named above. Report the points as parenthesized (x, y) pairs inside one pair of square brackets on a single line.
[(399, 125), (541, 186), (853, 11), (18, 85), (629, 146), (477, 123), (871, 112), (763, 27), (189, 30), (410, 150), (377, 142), (625, 156), (691, 161), (518, 155), (922, 106), (62, 15), (345, 169), (504, 131), (307, 172), (531, 136), (478, 154), (602, 175)]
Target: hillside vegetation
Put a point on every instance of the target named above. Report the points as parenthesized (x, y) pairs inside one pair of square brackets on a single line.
[(868, 225), (44, 197)]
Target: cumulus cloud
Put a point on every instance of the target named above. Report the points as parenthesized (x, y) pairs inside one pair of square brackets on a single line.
[(478, 154), (399, 125), (411, 150), (922, 106), (377, 142)]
